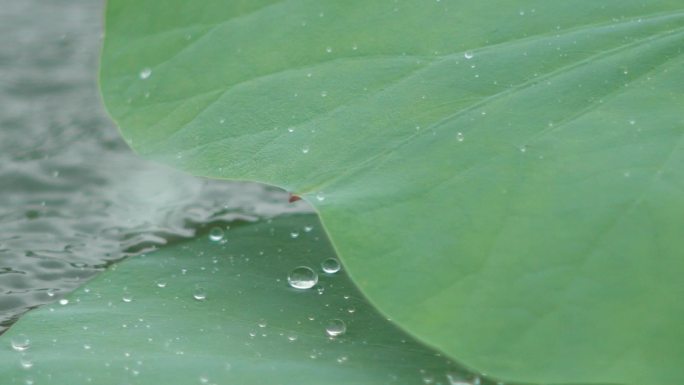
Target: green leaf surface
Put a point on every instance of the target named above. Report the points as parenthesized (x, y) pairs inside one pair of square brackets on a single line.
[(250, 328), (502, 178)]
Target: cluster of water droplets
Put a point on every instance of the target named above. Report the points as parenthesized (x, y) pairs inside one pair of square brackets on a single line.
[(21, 343)]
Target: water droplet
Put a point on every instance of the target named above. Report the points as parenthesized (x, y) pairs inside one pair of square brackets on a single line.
[(26, 362), (328, 49), (455, 379), (216, 234), (292, 338), (335, 327), (20, 342), (305, 150), (200, 294), (294, 234), (145, 73), (302, 277), (262, 323), (86, 347), (632, 122), (330, 266), (160, 283), (127, 298), (342, 359), (320, 196), (63, 301), (307, 229), (460, 137), (468, 55), (324, 94)]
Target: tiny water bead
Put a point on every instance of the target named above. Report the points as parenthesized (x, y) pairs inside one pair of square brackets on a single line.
[(200, 294), (320, 196), (302, 277), (26, 362), (20, 342), (468, 55), (216, 234), (330, 266), (335, 327), (145, 73), (63, 301), (460, 137)]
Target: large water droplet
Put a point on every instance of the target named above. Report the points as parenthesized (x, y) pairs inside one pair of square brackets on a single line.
[(330, 266), (20, 342), (145, 73), (302, 277), (335, 327), (216, 234)]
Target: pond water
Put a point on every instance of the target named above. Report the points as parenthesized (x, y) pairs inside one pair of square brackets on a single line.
[(73, 197)]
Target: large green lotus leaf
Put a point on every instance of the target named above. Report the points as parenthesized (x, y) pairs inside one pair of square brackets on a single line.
[(501, 178), (247, 327)]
